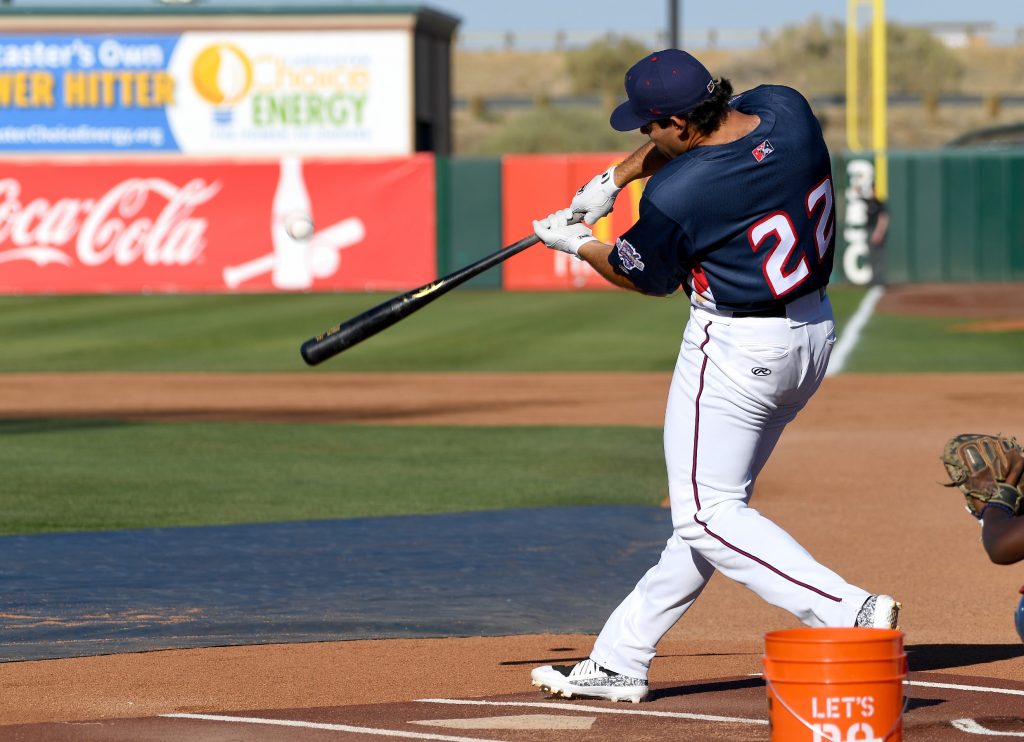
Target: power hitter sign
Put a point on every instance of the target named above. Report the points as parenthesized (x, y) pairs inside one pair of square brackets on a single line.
[(93, 227), (535, 185), (333, 92)]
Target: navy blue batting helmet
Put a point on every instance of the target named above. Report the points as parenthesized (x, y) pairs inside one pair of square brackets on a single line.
[(660, 85)]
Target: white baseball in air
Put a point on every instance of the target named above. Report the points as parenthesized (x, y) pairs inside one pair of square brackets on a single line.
[(299, 226)]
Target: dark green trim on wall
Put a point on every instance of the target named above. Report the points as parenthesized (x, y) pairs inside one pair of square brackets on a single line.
[(468, 215)]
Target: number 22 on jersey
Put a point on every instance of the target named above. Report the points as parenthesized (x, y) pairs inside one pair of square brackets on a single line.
[(819, 200)]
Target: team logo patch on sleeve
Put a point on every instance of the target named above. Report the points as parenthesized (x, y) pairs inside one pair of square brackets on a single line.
[(628, 255), (762, 150)]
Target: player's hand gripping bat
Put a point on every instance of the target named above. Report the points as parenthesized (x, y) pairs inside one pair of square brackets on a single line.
[(369, 323)]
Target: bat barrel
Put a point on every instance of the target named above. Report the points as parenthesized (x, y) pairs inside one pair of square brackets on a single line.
[(344, 336)]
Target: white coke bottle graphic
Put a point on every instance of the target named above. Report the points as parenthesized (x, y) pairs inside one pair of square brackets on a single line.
[(290, 228)]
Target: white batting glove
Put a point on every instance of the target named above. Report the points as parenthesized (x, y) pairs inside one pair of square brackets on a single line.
[(597, 197), (556, 232)]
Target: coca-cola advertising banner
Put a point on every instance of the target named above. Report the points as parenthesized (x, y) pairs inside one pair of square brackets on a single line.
[(344, 92), (533, 186), (288, 224)]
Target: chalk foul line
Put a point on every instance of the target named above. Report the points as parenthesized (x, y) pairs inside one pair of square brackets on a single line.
[(582, 708), (949, 686), (972, 727), (976, 688), (851, 333), (327, 727)]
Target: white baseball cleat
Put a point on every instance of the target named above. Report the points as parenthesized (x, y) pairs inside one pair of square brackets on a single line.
[(879, 612), (588, 679)]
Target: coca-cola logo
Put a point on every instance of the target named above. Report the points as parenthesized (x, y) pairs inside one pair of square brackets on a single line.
[(116, 228)]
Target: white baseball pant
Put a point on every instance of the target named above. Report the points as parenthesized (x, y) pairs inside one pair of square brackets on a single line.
[(737, 383)]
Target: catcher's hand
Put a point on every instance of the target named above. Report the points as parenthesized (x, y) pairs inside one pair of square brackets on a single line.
[(987, 469)]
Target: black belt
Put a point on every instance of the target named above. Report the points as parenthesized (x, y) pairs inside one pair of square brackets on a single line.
[(779, 310)]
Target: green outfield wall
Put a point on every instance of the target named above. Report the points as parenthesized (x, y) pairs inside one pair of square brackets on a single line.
[(973, 230), (956, 215)]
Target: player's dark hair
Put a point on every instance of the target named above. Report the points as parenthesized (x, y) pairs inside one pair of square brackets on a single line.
[(709, 115)]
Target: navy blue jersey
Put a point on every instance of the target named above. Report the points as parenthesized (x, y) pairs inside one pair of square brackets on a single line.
[(748, 224)]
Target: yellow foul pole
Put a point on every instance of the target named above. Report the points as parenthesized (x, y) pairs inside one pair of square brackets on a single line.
[(879, 101), (852, 84), (879, 90)]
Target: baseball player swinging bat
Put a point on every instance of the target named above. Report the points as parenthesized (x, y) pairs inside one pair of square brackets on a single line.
[(369, 323)]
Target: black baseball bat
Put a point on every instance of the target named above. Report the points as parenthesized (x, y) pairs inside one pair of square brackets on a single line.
[(342, 337)]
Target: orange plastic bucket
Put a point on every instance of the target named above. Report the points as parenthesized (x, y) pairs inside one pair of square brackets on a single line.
[(835, 685)]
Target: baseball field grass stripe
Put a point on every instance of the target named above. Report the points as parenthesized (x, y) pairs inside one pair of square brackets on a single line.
[(851, 334), (471, 330), (326, 727), (59, 474), (588, 709), (896, 343)]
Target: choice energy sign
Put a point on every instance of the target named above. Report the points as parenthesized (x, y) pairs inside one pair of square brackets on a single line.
[(331, 92)]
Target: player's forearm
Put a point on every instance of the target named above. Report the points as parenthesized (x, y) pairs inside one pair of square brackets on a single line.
[(643, 163), (1002, 536), (596, 254)]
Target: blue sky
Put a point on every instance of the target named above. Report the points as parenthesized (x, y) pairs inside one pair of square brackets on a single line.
[(623, 16), (636, 15)]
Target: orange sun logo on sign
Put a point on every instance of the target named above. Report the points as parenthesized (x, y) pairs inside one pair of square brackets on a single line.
[(222, 74)]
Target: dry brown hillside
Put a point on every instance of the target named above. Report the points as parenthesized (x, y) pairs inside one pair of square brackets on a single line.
[(991, 74)]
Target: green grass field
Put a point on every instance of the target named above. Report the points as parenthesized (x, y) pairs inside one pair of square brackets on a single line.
[(100, 474), (897, 344), (464, 331)]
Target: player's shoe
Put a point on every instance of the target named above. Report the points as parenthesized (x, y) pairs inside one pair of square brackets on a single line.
[(588, 679), (879, 612)]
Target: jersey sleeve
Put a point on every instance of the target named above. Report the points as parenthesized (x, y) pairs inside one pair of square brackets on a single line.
[(650, 252)]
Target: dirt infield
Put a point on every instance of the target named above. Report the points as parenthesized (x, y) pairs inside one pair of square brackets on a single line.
[(992, 301), (854, 479), (991, 307)]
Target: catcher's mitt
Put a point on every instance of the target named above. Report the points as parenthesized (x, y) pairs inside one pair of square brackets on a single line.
[(978, 464)]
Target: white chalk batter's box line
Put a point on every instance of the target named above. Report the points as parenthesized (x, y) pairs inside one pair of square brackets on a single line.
[(950, 686), (295, 724), (970, 726), (580, 708), (965, 725)]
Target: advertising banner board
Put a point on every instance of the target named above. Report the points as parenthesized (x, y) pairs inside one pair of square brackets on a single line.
[(535, 185), (214, 226), (338, 92)]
